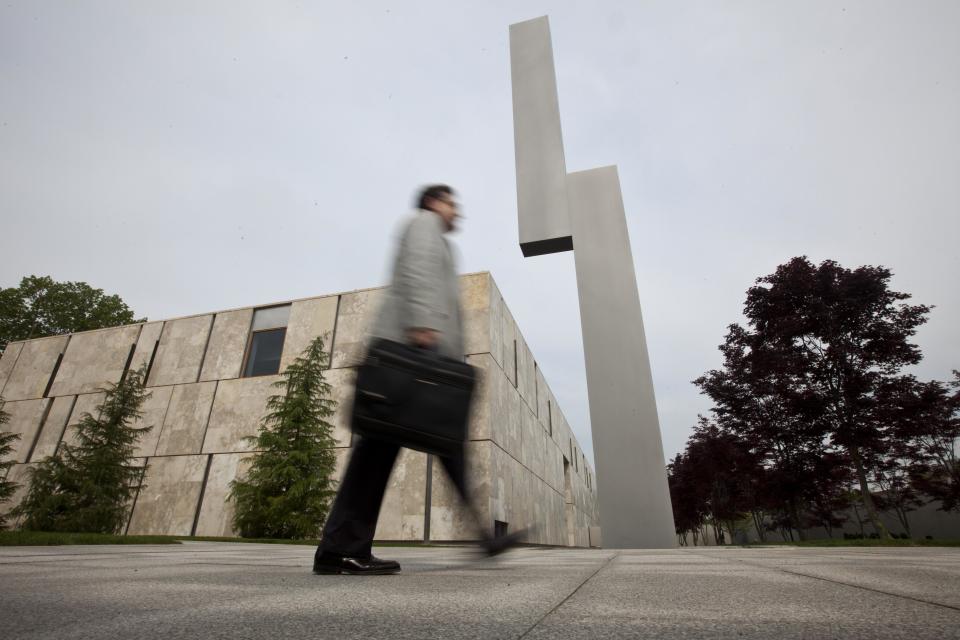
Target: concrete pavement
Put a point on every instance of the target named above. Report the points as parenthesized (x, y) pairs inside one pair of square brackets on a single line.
[(220, 590)]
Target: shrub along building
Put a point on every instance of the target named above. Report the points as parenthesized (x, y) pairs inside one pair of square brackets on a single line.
[(210, 375)]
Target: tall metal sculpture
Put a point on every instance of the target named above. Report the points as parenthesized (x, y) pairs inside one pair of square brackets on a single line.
[(583, 212)]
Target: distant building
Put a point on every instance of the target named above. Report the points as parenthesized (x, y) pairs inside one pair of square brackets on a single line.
[(210, 376)]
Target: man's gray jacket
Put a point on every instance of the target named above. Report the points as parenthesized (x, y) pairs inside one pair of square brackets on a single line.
[(424, 290)]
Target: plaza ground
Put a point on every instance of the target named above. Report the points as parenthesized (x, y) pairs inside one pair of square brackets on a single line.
[(222, 590)]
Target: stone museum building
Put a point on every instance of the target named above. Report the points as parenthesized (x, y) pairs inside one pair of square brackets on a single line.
[(209, 377)]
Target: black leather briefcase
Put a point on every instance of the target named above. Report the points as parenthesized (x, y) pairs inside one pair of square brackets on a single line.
[(413, 397)]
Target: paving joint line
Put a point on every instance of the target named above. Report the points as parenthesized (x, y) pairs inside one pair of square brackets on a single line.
[(570, 595), (845, 584)]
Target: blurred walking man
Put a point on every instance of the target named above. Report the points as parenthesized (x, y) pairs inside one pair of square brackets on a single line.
[(421, 308)]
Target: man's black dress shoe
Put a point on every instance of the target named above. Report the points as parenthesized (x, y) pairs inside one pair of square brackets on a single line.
[(325, 564), (496, 546)]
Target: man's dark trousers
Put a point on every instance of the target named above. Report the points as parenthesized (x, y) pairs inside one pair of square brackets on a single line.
[(353, 519)]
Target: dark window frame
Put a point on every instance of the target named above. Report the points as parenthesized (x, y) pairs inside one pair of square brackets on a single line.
[(249, 351)]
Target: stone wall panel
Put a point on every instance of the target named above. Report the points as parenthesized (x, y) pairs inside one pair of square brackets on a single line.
[(342, 381), (94, 359), (85, 403), (526, 373), (149, 336), (9, 358), (501, 485), (216, 511), (180, 354), (450, 518), (53, 428), (478, 427), (354, 318), (510, 347), (496, 325), (554, 518), (404, 504), (534, 445), (32, 370), (228, 341), (168, 501), (480, 476), (506, 416), (553, 467), (518, 513), (186, 419), (26, 417), (475, 309), (542, 393), (562, 433), (238, 407), (153, 412), (308, 319)]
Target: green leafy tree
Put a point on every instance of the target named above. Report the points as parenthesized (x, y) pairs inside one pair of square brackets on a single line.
[(287, 491), (88, 486), (7, 487), (42, 307)]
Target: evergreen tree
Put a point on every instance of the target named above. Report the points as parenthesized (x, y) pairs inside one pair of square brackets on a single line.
[(7, 487), (287, 491), (88, 486)]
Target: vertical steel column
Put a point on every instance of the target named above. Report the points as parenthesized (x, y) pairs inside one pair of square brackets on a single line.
[(635, 508), (584, 211), (538, 143)]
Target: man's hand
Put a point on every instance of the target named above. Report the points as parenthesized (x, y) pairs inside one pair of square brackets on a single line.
[(423, 338)]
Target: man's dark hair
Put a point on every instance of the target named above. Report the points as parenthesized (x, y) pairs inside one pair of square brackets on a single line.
[(434, 191)]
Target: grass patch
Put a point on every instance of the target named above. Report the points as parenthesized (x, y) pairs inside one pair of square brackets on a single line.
[(48, 538), (253, 540), (865, 542)]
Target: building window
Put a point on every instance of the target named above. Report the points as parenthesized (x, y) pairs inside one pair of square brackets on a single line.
[(499, 528), (266, 341)]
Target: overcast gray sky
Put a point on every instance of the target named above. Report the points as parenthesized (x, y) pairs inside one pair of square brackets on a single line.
[(200, 156)]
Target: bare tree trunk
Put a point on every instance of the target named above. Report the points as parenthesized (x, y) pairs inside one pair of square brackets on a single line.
[(758, 525), (904, 520), (856, 512), (717, 533), (795, 517), (865, 494), (732, 529)]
